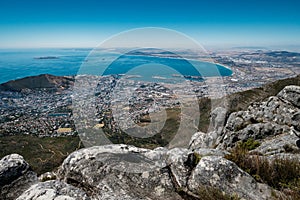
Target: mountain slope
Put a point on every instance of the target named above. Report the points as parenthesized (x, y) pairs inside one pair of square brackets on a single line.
[(43, 81), (241, 100)]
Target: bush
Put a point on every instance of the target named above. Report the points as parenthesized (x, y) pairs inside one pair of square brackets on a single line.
[(250, 144), (280, 173)]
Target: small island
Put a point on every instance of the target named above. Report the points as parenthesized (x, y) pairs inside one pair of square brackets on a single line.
[(46, 57)]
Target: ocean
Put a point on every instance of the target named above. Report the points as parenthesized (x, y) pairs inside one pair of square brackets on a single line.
[(20, 63)]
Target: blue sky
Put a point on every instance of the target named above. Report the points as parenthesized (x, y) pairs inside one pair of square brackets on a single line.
[(85, 23)]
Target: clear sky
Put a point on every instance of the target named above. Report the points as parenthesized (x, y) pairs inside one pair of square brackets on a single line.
[(85, 23)]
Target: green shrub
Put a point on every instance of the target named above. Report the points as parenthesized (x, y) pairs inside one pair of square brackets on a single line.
[(250, 144), (197, 158), (212, 193)]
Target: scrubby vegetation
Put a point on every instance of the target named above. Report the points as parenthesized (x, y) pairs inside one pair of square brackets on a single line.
[(250, 144), (280, 173), (162, 138), (43, 154), (211, 193)]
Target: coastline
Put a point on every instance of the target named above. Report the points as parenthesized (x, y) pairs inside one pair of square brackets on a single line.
[(62, 66)]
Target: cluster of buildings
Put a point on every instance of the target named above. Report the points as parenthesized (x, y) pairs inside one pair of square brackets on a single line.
[(35, 112), (119, 99)]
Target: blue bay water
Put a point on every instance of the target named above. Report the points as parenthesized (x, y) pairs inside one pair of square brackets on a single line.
[(20, 63)]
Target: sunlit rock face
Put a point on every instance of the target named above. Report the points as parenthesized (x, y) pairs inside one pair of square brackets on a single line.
[(53, 190), (220, 173), (277, 116)]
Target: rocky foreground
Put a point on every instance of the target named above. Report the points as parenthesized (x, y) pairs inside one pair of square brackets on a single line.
[(127, 172)]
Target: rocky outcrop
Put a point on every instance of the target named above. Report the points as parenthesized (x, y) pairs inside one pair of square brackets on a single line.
[(127, 172), (15, 176), (276, 116), (114, 171), (283, 145), (55, 190), (261, 121), (223, 174)]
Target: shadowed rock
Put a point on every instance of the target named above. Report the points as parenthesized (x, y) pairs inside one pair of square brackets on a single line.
[(15, 176)]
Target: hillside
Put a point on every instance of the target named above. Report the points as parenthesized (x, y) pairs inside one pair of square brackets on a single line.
[(43, 81), (255, 155), (241, 100)]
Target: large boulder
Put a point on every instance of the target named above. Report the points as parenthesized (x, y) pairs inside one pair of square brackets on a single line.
[(127, 172), (217, 172), (292, 94), (55, 190), (15, 176), (120, 172)]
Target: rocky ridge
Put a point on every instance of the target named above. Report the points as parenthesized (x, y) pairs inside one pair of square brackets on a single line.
[(126, 172)]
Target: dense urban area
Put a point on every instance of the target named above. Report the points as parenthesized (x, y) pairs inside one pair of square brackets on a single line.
[(47, 111)]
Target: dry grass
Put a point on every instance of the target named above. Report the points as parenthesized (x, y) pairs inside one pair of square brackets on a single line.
[(43, 154), (280, 173)]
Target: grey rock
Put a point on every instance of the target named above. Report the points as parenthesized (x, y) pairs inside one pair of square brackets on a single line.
[(217, 120), (226, 176), (281, 144), (211, 152), (296, 123), (120, 172), (204, 140), (292, 94), (53, 190), (215, 130), (177, 160), (198, 140), (257, 131), (260, 121), (15, 175)]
